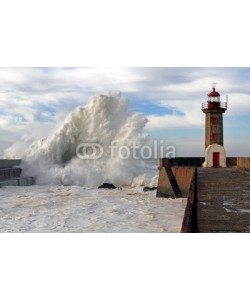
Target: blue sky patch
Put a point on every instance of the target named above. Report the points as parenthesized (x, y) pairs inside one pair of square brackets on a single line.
[(148, 108)]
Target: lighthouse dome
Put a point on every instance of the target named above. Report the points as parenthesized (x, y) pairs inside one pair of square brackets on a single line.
[(214, 93)]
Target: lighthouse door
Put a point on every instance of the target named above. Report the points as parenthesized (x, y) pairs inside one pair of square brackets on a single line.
[(216, 159)]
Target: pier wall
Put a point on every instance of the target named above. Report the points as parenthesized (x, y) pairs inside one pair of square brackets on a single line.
[(21, 181), (9, 163), (164, 188), (177, 173), (243, 163), (182, 178), (10, 174)]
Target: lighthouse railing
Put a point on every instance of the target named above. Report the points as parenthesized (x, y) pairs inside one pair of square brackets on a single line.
[(223, 105), (214, 104)]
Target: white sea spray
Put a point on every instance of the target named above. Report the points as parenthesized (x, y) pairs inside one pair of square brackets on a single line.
[(106, 118)]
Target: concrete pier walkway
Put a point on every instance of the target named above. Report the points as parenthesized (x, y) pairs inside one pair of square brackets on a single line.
[(223, 200)]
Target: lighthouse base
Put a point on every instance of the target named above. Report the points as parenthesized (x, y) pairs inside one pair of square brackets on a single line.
[(215, 156)]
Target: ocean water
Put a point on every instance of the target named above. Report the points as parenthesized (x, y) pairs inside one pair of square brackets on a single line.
[(66, 197), (79, 209), (60, 208)]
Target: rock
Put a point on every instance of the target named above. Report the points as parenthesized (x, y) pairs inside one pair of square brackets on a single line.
[(107, 186), (147, 188)]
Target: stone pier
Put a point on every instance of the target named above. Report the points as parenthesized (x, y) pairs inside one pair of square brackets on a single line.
[(223, 200), (10, 174)]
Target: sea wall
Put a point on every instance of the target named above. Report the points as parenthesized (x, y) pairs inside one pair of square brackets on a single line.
[(164, 188), (231, 161), (10, 174), (243, 163), (179, 176), (22, 181), (182, 178), (9, 163), (190, 222)]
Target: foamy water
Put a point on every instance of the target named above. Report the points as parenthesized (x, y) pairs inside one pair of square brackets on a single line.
[(106, 118), (79, 209), (66, 198)]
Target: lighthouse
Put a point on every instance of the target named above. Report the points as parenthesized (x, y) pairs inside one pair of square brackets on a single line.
[(215, 154)]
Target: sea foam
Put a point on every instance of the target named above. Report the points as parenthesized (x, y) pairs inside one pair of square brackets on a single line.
[(104, 119)]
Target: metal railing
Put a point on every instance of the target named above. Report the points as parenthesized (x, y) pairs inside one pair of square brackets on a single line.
[(182, 162), (10, 173), (214, 104)]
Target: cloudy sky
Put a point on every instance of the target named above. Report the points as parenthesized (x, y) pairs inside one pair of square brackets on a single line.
[(35, 101)]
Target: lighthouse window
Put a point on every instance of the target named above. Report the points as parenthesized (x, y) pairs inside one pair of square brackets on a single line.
[(214, 121), (214, 137)]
